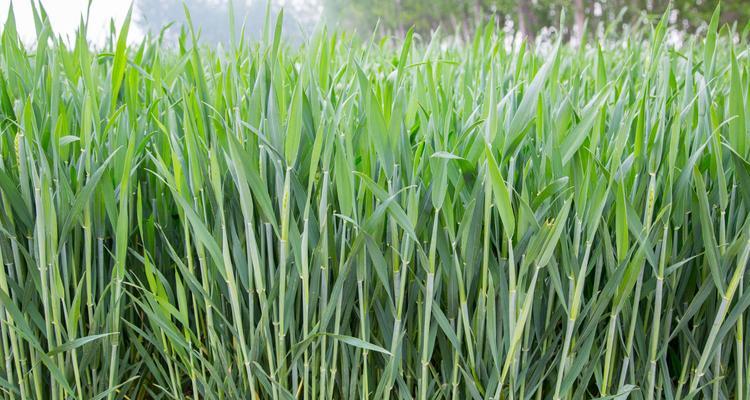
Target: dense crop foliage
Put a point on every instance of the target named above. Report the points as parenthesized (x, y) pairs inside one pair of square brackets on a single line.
[(353, 220)]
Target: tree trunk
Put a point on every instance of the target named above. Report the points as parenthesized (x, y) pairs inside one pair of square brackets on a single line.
[(580, 17), (401, 29), (526, 20)]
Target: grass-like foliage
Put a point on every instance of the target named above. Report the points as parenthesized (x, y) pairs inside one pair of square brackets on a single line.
[(352, 220)]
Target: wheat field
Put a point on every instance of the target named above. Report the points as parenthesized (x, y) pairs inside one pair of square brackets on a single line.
[(367, 219)]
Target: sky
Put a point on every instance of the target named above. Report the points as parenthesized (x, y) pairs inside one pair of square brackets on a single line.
[(65, 16)]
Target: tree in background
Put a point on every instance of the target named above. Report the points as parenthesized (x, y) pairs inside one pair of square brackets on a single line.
[(398, 15), (525, 16)]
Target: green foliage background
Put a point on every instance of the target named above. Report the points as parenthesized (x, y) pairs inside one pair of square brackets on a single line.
[(399, 15)]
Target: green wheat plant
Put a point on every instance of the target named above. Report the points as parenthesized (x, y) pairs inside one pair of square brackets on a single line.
[(375, 219)]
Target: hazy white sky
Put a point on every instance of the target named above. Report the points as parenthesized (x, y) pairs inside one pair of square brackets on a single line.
[(65, 16)]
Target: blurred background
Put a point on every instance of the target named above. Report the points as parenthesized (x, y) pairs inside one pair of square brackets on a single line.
[(455, 18)]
